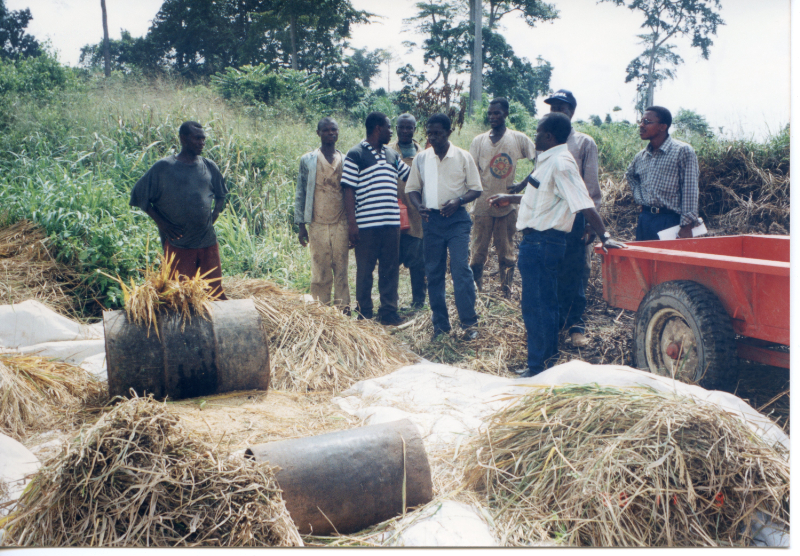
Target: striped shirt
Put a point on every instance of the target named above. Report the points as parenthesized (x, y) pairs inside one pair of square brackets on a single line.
[(667, 177), (560, 194), (373, 176)]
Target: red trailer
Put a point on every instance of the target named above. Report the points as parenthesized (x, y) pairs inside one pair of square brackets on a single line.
[(701, 302)]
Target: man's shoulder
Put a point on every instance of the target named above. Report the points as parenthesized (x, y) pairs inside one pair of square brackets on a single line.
[(581, 137), (356, 151), (462, 153), (680, 145), (481, 137), (211, 163)]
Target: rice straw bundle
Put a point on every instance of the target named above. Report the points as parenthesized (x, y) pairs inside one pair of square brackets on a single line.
[(163, 289), (598, 466), (134, 479), (28, 271), (314, 347), (500, 347), (36, 393)]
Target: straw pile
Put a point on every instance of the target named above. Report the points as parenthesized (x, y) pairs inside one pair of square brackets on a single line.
[(134, 479), (500, 347), (606, 467), (164, 290), (38, 393), (28, 271), (316, 347)]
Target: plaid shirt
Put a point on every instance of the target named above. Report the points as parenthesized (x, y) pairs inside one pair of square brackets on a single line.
[(667, 178)]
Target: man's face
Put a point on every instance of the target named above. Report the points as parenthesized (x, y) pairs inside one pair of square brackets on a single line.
[(563, 107), (650, 126), (497, 116), (194, 141), (544, 139), (328, 133), (385, 132), (405, 130), (437, 135)]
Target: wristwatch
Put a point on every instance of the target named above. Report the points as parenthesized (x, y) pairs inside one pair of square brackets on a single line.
[(461, 200), (606, 236)]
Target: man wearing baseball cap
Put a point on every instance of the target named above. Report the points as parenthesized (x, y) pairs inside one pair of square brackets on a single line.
[(576, 266)]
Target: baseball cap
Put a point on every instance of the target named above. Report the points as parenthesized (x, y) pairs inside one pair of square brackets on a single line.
[(562, 95)]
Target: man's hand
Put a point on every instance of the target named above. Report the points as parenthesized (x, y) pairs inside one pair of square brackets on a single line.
[(170, 230), (450, 207), (302, 235), (589, 235), (424, 212), (613, 244), (517, 187), (685, 232), (499, 200), (352, 235)]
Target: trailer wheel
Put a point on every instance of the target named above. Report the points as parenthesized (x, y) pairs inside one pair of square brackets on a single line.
[(682, 330)]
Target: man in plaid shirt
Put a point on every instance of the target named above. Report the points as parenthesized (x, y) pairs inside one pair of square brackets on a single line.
[(663, 177)]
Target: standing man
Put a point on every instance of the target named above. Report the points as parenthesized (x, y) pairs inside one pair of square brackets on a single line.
[(448, 179), (184, 194), (554, 194), (319, 202), (576, 266), (410, 240), (369, 176), (496, 153), (663, 177)]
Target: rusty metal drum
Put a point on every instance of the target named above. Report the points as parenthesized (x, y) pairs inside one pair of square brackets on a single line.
[(226, 353), (346, 481)]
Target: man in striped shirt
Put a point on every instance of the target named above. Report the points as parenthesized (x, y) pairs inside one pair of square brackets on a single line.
[(369, 179)]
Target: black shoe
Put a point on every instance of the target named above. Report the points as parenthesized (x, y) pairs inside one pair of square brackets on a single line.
[(470, 334), (417, 305), (437, 333), (526, 373), (391, 320)]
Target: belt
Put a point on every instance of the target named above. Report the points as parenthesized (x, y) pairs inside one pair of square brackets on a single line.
[(550, 232), (658, 210)]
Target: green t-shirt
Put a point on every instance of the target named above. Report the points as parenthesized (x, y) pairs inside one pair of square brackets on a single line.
[(183, 194)]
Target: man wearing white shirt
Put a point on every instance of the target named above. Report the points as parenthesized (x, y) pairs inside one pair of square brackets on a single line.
[(446, 177), (555, 193)]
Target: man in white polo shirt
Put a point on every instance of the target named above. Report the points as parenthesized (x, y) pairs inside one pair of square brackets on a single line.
[(555, 192), (447, 178)]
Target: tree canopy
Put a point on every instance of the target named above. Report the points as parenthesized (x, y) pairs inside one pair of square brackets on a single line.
[(14, 41)]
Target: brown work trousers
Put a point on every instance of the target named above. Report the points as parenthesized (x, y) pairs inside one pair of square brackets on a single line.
[(502, 229), (189, 261), (328, 244)]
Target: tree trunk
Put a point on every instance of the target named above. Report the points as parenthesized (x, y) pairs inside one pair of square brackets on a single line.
[(106, 47), (293, 37), (651, 82), (476, 78)]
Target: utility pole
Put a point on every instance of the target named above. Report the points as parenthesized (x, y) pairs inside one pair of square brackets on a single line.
[(106, 47), (476, 77)]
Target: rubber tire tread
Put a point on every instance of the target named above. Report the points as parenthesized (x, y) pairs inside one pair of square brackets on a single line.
[(706, 315)]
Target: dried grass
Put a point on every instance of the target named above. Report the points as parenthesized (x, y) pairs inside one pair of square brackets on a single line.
[(316, 347), (134, 479), (37, 393), (165, 290), (600, 466), (29, 271)]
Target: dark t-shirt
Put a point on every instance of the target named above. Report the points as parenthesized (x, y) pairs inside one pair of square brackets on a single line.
[(183, 194)]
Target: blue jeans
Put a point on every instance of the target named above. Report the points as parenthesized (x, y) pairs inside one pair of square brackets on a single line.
[(440, 235), (649, 224), (539, 255), (573, 277)]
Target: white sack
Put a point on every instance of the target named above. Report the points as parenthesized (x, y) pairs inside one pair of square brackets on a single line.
[(17, 464), (73, 352), (445, 523), (29, 323)]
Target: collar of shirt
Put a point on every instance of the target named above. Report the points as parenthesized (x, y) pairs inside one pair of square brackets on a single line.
[(549, 153), (378, 155), (663, 149)]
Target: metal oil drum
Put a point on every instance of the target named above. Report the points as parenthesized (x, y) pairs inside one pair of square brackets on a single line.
[(185, 360), (346, 481)]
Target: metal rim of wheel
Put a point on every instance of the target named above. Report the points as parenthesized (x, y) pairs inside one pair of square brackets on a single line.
[(671, 346)]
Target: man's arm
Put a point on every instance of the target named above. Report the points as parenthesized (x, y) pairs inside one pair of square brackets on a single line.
[(414, 189), (219, 206), (593, 217), (472, 183), (300, 202), (350, 181), (170, 230), (451, 206), (690, 192)]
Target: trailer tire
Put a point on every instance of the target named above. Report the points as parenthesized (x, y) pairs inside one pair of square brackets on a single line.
[(681, 328)]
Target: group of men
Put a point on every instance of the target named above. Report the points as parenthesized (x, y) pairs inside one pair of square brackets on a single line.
[(354, 201)]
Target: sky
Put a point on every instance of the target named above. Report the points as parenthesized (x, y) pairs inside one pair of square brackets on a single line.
[(742, 88)]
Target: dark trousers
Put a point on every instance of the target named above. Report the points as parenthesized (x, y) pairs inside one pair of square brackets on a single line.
[(441, 235), (190, 262), (649, 224), (381, 245), (573, 277), (413, 257), (539, 255)]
